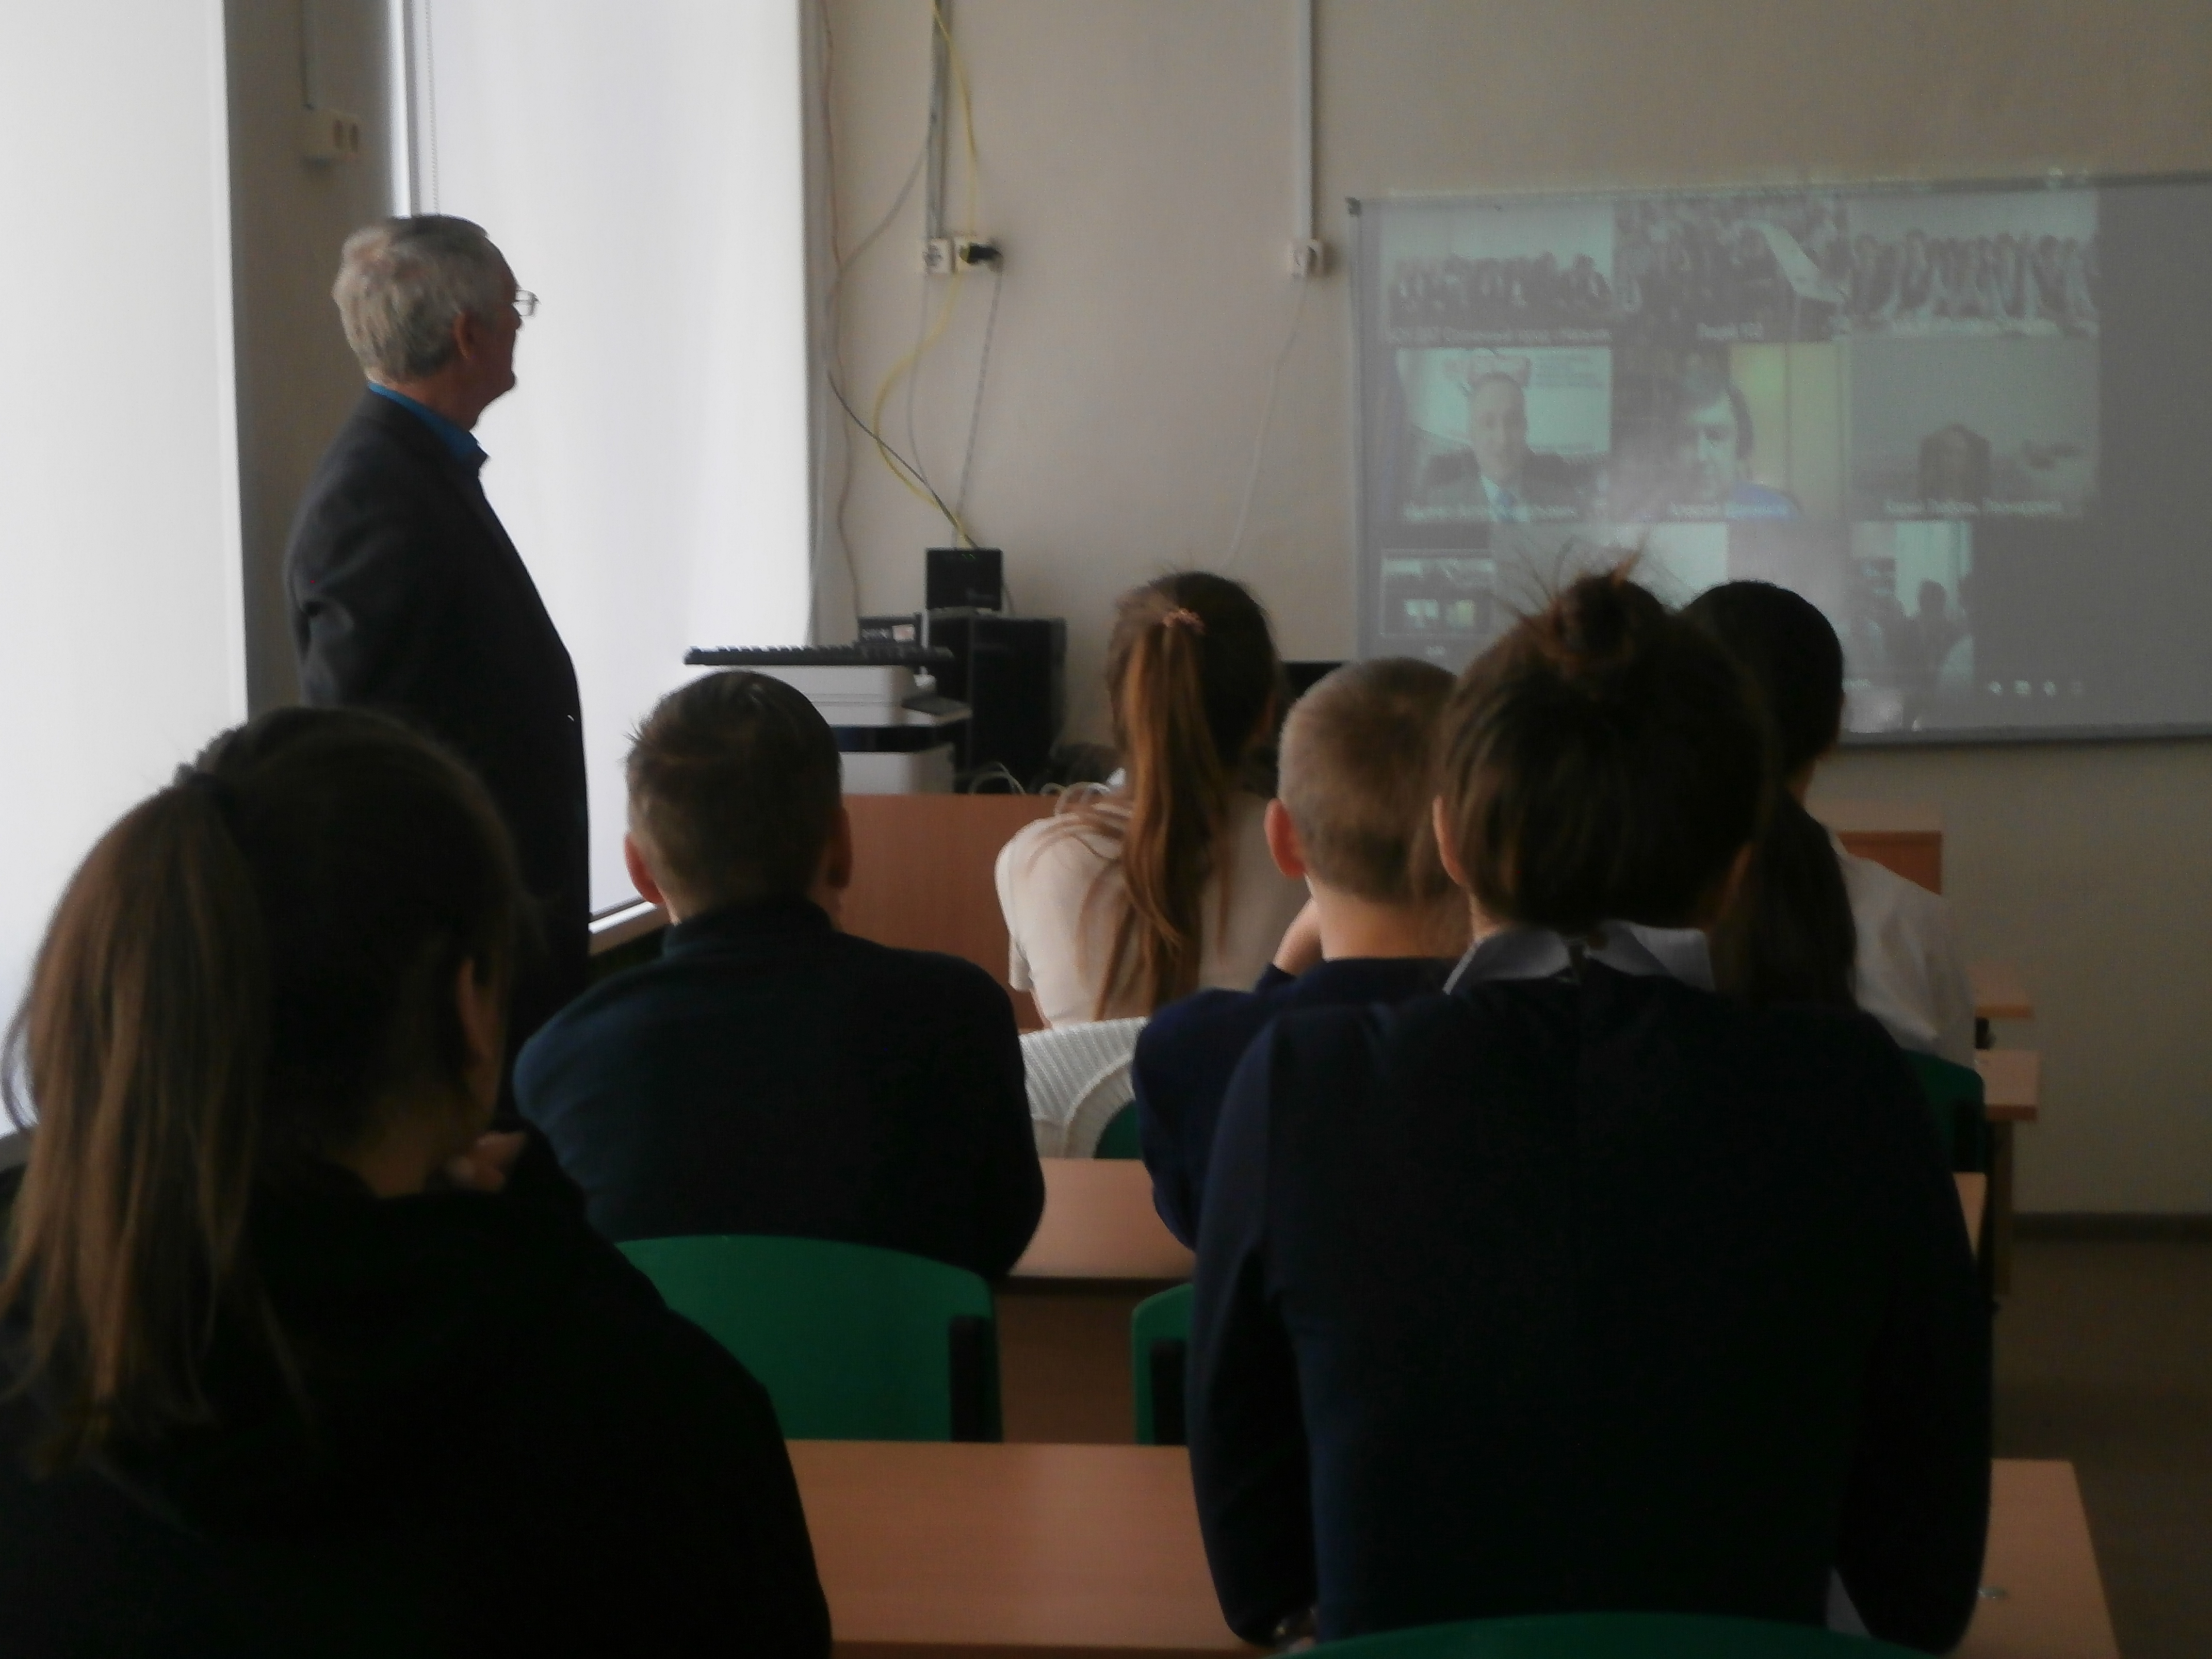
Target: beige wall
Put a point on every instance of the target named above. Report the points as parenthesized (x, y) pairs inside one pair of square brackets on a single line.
[(296, 381), (1136, 161)]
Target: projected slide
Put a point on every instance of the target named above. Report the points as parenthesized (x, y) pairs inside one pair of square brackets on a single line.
[(1951, 417)]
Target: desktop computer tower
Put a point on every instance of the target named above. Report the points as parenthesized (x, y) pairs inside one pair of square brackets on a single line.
[(1012, 671)]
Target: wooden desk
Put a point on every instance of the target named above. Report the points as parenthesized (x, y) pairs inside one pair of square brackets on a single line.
[(1903, 836), (1099, 1228), (2042, 1596), (2012, 1083), (922, 872), (1999, 992), (936, 1549), (928, 1548)]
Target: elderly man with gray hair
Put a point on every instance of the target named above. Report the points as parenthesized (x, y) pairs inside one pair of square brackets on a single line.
[(405, 593)]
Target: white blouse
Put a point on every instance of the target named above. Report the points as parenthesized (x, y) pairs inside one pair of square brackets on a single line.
[(1060, 887), (1911, 974)]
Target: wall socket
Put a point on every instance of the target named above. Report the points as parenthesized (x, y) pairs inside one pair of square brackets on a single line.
[(330, 135), (1309, 259), (942, 256)]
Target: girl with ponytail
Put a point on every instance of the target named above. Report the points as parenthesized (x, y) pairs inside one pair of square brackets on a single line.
[(286, 1347), (1577, 1287), (1162, 883)]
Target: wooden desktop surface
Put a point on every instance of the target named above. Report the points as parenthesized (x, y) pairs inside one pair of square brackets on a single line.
[(930, 1548), (2042, 1595), (1099, 1227), (2000, 992), (2012, 1083), (934, 1548)]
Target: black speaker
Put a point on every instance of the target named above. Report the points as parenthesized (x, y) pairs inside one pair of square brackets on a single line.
[(963, 579), (1012, 671)]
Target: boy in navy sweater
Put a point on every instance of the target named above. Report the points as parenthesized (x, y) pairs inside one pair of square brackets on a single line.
[(771, 1073), (1352, 819)]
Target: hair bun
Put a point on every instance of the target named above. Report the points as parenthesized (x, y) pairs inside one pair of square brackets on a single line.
[(1600, 625)]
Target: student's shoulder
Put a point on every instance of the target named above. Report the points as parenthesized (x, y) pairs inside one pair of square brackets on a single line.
[(933, 977), (1201, 1018), (1315, 1040), (1803, 1052)]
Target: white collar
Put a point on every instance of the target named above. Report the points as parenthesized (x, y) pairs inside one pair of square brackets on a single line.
[(1627, 947)]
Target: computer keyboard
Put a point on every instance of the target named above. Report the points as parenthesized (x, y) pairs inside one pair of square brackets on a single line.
[(861, 653)]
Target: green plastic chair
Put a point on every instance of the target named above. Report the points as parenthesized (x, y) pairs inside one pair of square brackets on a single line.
[(1954, 1095), (1614, 1636), (1119, 1138), (852, 1342), (1159, 1346)]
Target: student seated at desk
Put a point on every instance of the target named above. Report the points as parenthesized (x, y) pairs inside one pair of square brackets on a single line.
[(1910, 972), (1576, 1287), (770, 1073), (1129, 898), (290, 1366), (1351, 818)]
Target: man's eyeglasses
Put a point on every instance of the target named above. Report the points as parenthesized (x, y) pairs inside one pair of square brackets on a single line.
[(526, 303)]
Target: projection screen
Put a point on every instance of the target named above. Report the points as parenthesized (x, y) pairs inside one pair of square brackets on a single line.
[(1972, 424)]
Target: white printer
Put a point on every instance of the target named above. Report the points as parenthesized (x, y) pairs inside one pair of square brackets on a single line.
[(880, 698)]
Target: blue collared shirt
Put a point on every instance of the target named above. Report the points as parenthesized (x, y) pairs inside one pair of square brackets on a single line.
[(460, 442)]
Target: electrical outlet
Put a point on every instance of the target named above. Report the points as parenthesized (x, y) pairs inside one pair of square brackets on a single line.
[(974, 252), (330, 135), (1309, 259), (936, 257)]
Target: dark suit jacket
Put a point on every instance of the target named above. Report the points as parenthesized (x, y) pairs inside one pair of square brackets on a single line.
[(407, 595), (514, 1448), (1188, 1051), (770, 1074), (1547, 1296)]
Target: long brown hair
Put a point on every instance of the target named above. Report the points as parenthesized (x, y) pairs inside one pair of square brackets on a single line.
[(1605, 760), (241, 974), (1191, 672)]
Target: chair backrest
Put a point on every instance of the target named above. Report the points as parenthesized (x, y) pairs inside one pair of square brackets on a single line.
[(1614, 1636), (1159, 1347), (1079, 1081), (1954, 1095), (852, 1342)]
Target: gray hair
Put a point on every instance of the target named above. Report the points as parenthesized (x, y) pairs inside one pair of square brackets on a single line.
[(401, 284)]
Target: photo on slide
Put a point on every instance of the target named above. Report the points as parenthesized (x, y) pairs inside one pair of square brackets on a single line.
[(1733, 434), (1441, 607), (1973, 429), (1908, 629), (1502, 437), (1973, 263), (1499, 275), (1719, 270)]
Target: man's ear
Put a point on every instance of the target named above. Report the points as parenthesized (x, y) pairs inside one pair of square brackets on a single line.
[(837, 856), (641, 873), (1283, 841), (468, 336)]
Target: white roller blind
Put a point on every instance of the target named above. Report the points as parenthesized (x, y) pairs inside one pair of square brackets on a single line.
[(121, 620), (641, 167)]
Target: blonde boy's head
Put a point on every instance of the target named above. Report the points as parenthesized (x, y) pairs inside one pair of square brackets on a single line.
[(1356, 777)]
